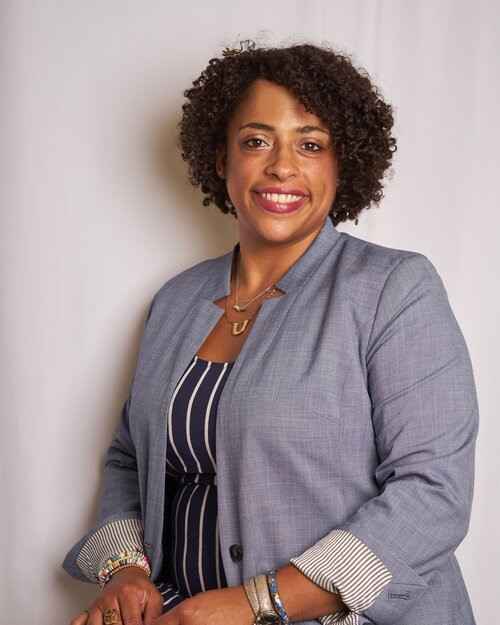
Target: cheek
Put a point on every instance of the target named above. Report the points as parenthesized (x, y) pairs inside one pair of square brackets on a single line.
[(320, 178), (323, 177), (241, 175)]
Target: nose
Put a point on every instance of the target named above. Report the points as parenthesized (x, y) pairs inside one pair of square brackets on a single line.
[(282, 162)]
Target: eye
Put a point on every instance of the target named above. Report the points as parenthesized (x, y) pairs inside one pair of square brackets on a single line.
[(316, 147), (249, 141)]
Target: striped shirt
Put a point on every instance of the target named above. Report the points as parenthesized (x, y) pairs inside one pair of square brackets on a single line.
[(193, 561)]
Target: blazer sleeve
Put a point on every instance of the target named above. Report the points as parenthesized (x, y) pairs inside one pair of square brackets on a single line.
[(425, 418), (118, 533)]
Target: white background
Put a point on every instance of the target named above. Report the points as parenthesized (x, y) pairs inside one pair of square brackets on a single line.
[(97, 213)]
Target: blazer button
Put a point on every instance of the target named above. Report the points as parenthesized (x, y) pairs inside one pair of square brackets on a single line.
[(236, 552)]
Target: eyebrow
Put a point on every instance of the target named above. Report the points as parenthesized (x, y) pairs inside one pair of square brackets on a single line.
[(301, 129)]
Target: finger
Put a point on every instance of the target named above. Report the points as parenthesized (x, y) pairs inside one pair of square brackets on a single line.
[(95, 617), (130, 607), (142, 597), (97, 614), (81, 619), (153, 609)]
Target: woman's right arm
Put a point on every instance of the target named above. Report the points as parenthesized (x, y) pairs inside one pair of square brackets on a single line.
[(117, 541), (117, 538)]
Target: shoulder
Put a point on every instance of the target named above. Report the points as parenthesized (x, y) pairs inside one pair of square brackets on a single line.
[(189, 282), (401, 288), (192, 277), (376, 265)]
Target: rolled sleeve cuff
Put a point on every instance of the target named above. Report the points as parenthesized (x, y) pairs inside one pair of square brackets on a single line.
[(120, 536), (343, 564)]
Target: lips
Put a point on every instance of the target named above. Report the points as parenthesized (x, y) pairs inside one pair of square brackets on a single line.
[(281, 191), (279, 203)]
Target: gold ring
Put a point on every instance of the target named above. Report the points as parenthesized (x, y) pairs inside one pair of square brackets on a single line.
[(111, 616)]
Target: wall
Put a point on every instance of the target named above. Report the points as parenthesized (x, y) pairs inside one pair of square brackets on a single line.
[(96, 213)]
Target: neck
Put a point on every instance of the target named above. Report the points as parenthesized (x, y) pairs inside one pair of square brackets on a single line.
[(260, 266)]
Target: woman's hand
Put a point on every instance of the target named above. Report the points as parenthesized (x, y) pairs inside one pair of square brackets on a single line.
[(131, 593), (213, 607)]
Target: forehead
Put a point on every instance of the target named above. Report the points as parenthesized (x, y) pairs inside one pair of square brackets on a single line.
[(268, 102)]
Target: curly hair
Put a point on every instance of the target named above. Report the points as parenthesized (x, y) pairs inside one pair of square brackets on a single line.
[(327, 84)]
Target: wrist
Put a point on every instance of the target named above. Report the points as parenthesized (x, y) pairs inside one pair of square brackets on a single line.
[(302, 598), (129, 569), (247, 605), (258, 592), (272, 584), (120, 561)]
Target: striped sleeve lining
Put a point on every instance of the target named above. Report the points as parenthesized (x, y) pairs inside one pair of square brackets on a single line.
[(170, 595), (113, 537), (342, 563), (340, 618)]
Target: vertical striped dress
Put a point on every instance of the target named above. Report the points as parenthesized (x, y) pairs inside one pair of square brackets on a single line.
[(192, 560)]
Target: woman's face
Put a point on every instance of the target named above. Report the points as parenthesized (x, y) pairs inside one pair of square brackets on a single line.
[(275, 147)]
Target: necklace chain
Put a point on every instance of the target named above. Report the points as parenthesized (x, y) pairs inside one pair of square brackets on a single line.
[(243, 307), (238, 327)]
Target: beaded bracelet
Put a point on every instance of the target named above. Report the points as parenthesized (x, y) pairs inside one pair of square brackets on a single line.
[(273, 591), (116, 562)]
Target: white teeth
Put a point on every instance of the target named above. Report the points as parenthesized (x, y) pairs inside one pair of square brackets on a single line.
[(281, 198)]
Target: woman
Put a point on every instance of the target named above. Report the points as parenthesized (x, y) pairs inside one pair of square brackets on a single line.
[(334, 369)]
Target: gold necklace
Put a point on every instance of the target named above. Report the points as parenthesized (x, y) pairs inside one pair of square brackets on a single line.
[(238, 327)]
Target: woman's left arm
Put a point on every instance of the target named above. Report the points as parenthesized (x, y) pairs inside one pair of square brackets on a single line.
[(426, 419)]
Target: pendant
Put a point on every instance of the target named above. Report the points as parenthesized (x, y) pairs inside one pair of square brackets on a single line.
[(239, 327)]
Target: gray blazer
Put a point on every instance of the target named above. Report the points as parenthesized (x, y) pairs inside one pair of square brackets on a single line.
[(351, 408)]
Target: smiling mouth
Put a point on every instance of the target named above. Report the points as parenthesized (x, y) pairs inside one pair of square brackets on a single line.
[(280, 202)]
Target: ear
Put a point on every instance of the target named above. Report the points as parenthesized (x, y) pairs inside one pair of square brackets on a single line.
[(220, 161)]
